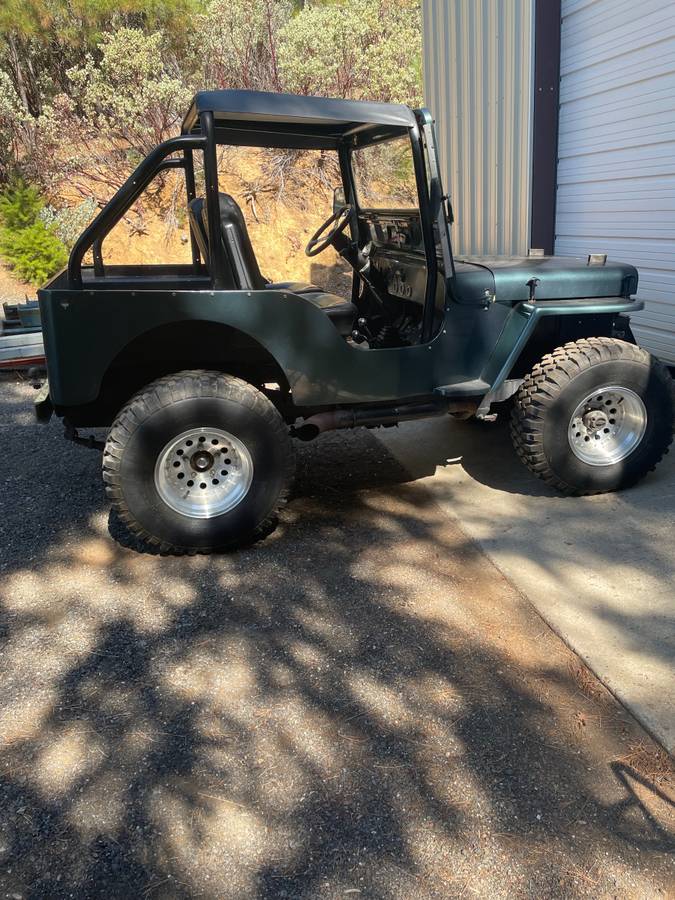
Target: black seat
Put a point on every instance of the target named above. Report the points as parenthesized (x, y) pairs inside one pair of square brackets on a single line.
[(242, 265)]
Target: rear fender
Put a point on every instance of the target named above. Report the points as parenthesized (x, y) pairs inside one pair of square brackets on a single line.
[(85, 331)]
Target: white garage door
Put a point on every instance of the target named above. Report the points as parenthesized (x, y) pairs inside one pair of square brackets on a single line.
[(616, 172)]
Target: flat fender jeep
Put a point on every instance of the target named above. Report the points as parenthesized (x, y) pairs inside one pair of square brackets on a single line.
[(204, 372)]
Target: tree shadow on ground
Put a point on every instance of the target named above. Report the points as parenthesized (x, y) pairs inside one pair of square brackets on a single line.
[(338, 709)]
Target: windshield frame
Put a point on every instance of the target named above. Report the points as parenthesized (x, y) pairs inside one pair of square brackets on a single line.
[(358, 182), (423, 209)]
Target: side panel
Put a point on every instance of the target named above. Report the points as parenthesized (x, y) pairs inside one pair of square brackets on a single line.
[(85, 331)]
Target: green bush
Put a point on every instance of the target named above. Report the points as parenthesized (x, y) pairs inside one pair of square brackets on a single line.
[(28, 244), (34, 253), (20, 205)]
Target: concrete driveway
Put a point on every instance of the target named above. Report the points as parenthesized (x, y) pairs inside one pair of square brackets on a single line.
[(359, 706), (600, 570)]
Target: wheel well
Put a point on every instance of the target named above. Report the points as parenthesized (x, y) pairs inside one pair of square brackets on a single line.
[(172, 348), (554, 331)]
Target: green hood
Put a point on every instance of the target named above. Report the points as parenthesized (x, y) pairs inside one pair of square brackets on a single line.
[(559, 278)]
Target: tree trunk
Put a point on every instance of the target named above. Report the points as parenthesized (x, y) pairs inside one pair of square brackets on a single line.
[(25, 90), (17, 74)]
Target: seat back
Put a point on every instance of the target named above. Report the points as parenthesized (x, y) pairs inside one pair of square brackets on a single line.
[(240, 257)]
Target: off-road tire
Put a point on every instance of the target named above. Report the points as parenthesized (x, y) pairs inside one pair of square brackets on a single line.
[(168, 407), (548, 396)]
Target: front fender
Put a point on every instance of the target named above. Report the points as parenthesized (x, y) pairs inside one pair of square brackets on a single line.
[(522, 321)]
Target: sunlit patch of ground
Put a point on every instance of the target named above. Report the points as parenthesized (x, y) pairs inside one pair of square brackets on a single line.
[(361, 705)]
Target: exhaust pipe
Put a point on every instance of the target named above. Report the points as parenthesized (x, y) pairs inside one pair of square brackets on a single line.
[(371, 418)]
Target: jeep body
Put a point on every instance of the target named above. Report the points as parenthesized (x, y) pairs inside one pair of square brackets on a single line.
[(420, 333)]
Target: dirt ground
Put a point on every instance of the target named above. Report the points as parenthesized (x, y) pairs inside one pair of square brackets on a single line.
[(359, 706), (12, 289)]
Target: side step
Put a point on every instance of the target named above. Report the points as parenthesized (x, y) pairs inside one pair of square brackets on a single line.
[(475, 388)]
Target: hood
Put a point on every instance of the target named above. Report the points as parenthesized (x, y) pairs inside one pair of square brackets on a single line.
[(559, 277)]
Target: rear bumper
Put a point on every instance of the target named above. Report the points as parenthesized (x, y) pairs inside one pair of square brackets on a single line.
[(44, 407)]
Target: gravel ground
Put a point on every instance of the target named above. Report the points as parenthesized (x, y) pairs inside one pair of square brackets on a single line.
[(359, 706)]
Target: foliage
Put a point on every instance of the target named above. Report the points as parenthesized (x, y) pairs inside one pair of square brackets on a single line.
[(10, 112), (68, 223), (20, 205), (35, 253), (132, 93), (27, 243), (88, 87), (40, 39), (133, 90), (362, 49), (239, 41)]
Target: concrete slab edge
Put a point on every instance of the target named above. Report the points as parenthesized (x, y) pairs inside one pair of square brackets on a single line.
[(634, 711)]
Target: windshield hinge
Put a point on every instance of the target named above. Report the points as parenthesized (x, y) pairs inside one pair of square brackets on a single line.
[(449, 214)]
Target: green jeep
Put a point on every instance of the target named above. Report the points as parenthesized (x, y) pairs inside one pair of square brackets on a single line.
[(204, 372)]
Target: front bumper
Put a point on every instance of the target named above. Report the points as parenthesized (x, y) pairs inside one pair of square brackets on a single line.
[(44, 407)]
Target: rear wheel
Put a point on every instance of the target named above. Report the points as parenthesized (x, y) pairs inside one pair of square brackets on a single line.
[(197, 462), (595, 415)]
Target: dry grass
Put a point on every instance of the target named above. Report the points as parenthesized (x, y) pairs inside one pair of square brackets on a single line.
[(585, 680), (652, 762)]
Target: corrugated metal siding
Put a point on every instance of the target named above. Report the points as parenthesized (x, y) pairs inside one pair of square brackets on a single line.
[(616, 174), (478, 84)]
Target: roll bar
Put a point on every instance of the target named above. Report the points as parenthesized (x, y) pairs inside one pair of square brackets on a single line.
[(434, 210), (156, 161)]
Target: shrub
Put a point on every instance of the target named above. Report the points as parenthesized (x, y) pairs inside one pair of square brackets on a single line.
[(362, 49), (240, 43), (34, 253), (11, 114), (120, 103), (20, 205), (69, 222), (28, 244), (133, 92)]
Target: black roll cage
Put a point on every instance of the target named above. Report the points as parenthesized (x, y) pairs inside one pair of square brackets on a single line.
[(434, 213)]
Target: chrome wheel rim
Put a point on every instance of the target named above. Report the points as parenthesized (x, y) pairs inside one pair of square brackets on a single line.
[(203, 472), (607, 425)]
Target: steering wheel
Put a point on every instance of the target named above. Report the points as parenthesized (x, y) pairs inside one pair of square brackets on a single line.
[(318, 243)]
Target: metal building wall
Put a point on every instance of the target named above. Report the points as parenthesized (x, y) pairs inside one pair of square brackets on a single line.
[(616, 170), (478, 69)]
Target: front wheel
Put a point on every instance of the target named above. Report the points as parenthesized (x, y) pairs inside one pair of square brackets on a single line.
[(197, 462), (593, 416)]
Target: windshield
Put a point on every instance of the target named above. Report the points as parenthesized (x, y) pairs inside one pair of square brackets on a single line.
[(384, 175)]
